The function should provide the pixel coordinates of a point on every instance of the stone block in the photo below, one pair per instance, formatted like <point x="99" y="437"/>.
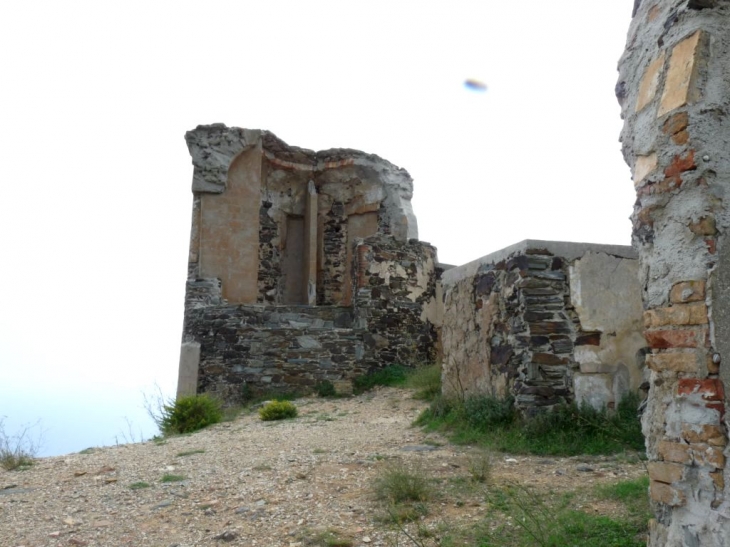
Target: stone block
<point x="711" y="389"/>
<point x="670" y="451"/>
<point x="649" y="83"/>
<point x="187" y="381"/>
<point x="594" y="389"/>
<point x="676" y="123"/>
<point x="673" y="361"/>
<point x="680" y="86"/>
<point x="666" y="494"/>
<point x="643" y="167"/>
<point x="687" y="291"/>
<point x="680" y="164"/>
<point x="676" y="338"/>
<point x="705" y="226"/>
<point x="713" y="435"/>
<point x="666" y="472"/>
<point x="677" y="315"/>
<point x="710" y="456"/>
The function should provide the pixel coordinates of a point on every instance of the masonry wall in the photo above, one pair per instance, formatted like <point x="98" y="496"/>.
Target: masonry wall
<point x="282" y="292"/>
<point x="544" y="322"/>
<point x="674" y="82"/>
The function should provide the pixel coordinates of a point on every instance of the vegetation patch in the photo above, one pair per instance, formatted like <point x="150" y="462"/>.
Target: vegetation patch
<point x="326" y="538"/>
<point x="425" y="381"/>
<point x="172" y="478"/>
<point x="18" y="452"/>
<point x="278" y="410"/>
<point x="325" y="388"/>
<point x="188" y="414"/>
<point x="393" y="376"/>
<point x="139" y="485"/>
<point x="566" y="430"/>
<point x="189" y="453"/>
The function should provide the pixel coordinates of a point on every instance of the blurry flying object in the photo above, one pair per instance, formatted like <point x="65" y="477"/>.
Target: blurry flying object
<point x="475" y="85"/>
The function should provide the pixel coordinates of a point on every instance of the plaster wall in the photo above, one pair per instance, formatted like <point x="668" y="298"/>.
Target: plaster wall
<point x="674" y="91"/>
<point x="544" y="328"/>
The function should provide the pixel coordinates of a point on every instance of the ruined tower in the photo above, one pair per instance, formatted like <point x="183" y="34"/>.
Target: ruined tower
<point x="674" y="90"/>
<point x="304" y="266"/>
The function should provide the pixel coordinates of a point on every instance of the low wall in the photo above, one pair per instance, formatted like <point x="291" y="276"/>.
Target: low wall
<point x="544" y="322"/>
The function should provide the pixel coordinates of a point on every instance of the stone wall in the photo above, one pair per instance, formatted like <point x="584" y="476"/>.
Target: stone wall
<point x="544" y="322"/>
<point x="396" y="301"/>
<point x="674" y="91"/>
<point x="278" y="268"/>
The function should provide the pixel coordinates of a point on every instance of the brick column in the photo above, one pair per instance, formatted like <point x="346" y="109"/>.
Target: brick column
<point x="674" y="90"/>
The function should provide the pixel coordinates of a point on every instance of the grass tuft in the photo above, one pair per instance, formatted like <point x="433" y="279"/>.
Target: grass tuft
<point x="139" y="485"/>
<point x="426" y="381"/>
<point x="400" y="483"/>
<point x="18" y="452"/>
<point x="393" y="375"/>
<point x="172" y="478"/>
<point x="189" y="453"/>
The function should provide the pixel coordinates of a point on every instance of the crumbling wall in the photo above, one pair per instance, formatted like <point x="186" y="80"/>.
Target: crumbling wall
<point x="544" y="322"/>
<point x="274" y="232"/>
<point x="395" y="301"/>
<point x="674" y="82"/>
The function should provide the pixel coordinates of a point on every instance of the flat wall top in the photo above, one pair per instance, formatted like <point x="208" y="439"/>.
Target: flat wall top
<point x="569" y="250"/>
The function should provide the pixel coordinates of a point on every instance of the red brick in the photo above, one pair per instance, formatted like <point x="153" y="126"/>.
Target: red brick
<point x="674" y="452"/>
<point x="676" y="338"/>
<point x="680" y="164"/>
<point x="664" y="493"/>
<point x="688" y="291"/>
<point x="711" y="389"/>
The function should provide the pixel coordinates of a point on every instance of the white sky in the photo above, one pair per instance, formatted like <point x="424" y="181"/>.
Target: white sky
<point x="95" y="100"/>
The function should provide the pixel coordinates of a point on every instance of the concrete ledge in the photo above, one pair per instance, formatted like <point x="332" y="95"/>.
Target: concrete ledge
<point x="568" y="250"/>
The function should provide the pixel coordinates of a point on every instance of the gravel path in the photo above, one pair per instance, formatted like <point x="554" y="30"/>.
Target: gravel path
<point x="249" y="482"/>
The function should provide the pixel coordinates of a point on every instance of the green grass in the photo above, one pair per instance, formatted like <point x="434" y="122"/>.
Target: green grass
<point x="426" y="381"/>
<point x="89" y="450"/>
<point x="139" y="485"/>
<point x="325" y="388"/>
<point x="189" y="453"/>
<point x="520" y="517"/>
<point x="566" y="430"/>
<point x="172" y="478"/>
<point x="327" y="538"/>
<point x="393" y="375"/>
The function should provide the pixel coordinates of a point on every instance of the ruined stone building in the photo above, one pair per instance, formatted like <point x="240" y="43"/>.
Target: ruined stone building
<point x="674" y="90"/>
<point x="545" y="322"/>
<point x="304" y="266"/>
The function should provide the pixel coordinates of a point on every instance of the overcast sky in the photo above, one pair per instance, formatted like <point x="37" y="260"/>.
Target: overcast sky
<point x="96" y="98"/>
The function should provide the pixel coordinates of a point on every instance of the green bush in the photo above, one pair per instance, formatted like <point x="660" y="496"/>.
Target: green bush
<point x="325" y="388"/>
<point x="486" y="412"/>
<point x="191" y="413"/>
<point x="278" y="410"/>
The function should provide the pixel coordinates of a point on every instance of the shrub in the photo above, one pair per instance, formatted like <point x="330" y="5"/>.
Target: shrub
<point x="278" y="410"/>
<point x="191" y="413"/>
<point x="325" y="388"/>
<point x="399" y="483"/>
<point x="18" y="451"/>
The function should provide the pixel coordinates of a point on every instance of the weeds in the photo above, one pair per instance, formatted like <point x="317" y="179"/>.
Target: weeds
<point x="400" y="483"/>
<point x="139" y="485"/>
<point x="327" y="538"/>
<point x="18" y="452"/>
<point x="325" y="388"/>
<point x="278" y="410"/>
<point x="480" y="466"/>
<point x="566" y="430"/>
<point x="426" y="381"/>
<point x="393" y="375"/>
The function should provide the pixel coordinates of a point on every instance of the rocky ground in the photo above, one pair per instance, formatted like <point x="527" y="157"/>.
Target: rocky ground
<point x="249" y="482"/>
